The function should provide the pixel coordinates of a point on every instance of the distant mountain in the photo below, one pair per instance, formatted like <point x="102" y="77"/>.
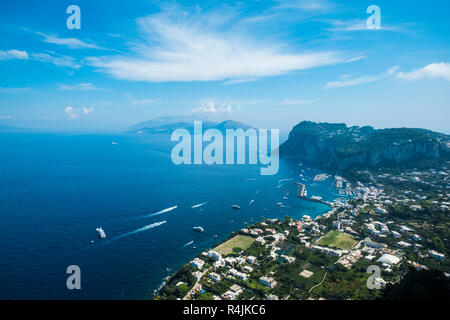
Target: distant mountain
<point x="169" y="124"/>
<point x="336" y="147"/>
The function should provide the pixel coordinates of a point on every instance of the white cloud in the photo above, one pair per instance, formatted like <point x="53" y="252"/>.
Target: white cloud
<point x="16" y="90"/>
<point x="296" y="102"/>
<point x="433" y="70"/>
<point x="72" y="43"/>
<point x="60" y="61"/>
<point x="179" y="47"/>
<point x="79" y="87"/>
<point x="361" y="25"/>
<point x="214" y="106"/>
<point x="74" y="113"/>
<point x="87" y="111"/>
<point x="70" y="111"/>
<point x="346" y="81"/>
<point x="135" y="101"/>
<point x="13" y="54"/>
<point x="307" y="5"/>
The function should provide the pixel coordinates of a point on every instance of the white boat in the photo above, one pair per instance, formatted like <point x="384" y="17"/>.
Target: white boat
<point x="279" y="204"/>
<point x="200" y="229"/>
<point x="100" y="232"/>
<point x="235" y="206"/>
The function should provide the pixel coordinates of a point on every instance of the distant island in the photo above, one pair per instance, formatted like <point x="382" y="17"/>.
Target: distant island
<point x="166" y="125"/>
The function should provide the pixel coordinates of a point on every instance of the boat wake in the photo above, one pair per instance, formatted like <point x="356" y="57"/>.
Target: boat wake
<point x="284" y="180"/>
<point x="199" y="205"/>
<point x="147" y="227"/>
<point x="157" y="213"/>
<point x="188" y="244"/>
<point x="251" y="201"/>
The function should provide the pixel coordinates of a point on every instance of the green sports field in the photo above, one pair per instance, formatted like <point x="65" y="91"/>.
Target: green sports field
<point x="238" y="241"/>
<point x="339" y="240"/>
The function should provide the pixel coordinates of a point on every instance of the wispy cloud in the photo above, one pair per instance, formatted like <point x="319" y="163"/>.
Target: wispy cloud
<point x="296" y="101"/>
<point x="307" y="5"/>
<point x="79" y="87"/>
<point x="347" y="81"/>
<point x="16" y="90"/>
<point x="431" y="71"/>
<point x="87" y="111"/>
<point x="182" y="47"/>
<point x="213" y="106"/>
<point x="72" y="43"/>
<point x="59" y="61"/>
<point x="13" y="54"/>
<point x="135" y="101"/>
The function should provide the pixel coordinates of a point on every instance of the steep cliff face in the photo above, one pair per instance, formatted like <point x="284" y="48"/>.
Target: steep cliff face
<point x="337" y="147"/>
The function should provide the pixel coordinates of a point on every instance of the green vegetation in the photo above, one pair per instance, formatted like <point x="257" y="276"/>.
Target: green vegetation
<point x="336" y="239"/>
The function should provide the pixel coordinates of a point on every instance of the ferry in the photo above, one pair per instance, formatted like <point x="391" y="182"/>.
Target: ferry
<point x="200" y="229"/>
<point x="100" y="232"/>
<point x="235" y="206"/>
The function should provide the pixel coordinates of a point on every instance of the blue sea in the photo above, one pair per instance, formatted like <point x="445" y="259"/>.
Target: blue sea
<point x="56" y="189"/>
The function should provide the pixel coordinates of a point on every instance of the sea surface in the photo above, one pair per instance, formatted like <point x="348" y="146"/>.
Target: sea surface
<point x="56" y="189"/>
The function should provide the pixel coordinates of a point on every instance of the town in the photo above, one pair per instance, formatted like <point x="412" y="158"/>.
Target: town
<point x="392" y="220"/>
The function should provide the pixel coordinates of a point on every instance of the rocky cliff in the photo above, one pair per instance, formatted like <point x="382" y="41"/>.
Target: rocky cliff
<point x="336" y="147"/>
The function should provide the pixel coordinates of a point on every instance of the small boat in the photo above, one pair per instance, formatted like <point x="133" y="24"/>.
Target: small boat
<point x="100" y="232"/>
<point x="200" y="229"/>
<point x="279" y="204"/>
<point x="215" y="236"/>
<point x="235" y="206"/>
<point x="285" y="198"/>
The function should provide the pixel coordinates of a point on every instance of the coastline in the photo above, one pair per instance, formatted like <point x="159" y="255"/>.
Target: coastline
<point x="337" y="202"/>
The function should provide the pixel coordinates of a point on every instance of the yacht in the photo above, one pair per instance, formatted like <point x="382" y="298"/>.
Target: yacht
<point x="235" y="206"/>
<point x="200" y="229"/>
<point x="100" y="232"/>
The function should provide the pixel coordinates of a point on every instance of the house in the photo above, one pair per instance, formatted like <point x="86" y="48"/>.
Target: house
<point x="236" y="289"/>
<point x="214" y="254"/>
<point x="380" y="210"/>
<point x="268" y="282"/>
<point x="248" y="269"/>
<point x="287" y="258"/>
<point x="214" y="277"/>
<point x="436" y="255"/>
<point x="251" y="259"/>
<point x="197" y="263"/>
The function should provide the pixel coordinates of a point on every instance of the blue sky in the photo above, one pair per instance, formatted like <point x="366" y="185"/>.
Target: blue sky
<point x="267" y="63"/>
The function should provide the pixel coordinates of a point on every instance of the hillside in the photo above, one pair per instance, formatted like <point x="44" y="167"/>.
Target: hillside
<point x="338" y="148"/>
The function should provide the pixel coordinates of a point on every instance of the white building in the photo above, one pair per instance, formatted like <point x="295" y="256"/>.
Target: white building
<point x="436" y="255"/>
<point x="389" y="259"/>
<point x="268" y="282"/>
<point x="198" y="263"/>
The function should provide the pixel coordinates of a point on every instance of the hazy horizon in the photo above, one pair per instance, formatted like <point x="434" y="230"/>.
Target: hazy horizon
<point x="270" y="64"/>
